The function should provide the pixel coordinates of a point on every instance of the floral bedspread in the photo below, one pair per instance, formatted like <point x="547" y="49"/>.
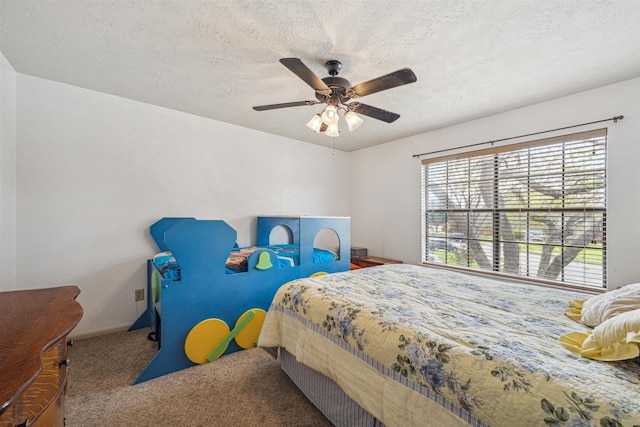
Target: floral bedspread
<point x="483" y="350"/>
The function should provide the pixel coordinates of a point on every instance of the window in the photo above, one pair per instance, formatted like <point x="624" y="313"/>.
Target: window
<point x="536" y="209"/>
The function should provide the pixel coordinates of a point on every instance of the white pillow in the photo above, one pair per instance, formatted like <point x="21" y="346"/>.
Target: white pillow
<point x="596" y="310"/>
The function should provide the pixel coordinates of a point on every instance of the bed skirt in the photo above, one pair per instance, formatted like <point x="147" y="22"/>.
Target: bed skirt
<point x="326" y="395"/>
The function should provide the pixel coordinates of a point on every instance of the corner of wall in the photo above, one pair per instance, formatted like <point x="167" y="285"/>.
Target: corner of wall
<point x="8" y="175"/>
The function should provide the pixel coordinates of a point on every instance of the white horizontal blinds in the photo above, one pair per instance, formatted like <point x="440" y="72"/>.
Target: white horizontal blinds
<point x="536" y="209"/>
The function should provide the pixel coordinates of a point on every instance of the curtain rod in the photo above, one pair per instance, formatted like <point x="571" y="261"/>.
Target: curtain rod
<point x="615" y="120"/>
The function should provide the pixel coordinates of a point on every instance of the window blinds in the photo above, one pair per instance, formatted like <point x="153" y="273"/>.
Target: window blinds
<point x="536" y="209"/>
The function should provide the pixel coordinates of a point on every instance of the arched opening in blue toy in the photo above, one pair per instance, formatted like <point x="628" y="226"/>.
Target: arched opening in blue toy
<point x="328" y="240"/>
<point x="281" y="235"/>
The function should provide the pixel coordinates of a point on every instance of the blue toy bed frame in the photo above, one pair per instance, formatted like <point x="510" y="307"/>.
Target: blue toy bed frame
<point x="205" y="290"/>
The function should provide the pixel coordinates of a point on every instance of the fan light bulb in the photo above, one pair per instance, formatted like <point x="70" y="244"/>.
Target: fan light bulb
<point x="353" y="120"/>
<point x="315" y="123"/>
<point x="330" y="115"/>
<point x="333" y="130"/>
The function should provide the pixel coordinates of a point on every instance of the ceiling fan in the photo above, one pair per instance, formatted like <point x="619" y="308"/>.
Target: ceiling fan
<point x="336" y="92"/>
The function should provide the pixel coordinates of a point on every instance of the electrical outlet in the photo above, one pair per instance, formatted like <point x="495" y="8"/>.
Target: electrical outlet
<point x="139" y="294"/>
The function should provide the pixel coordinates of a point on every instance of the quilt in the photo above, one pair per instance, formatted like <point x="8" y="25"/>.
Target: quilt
<point x="419" y="346"/>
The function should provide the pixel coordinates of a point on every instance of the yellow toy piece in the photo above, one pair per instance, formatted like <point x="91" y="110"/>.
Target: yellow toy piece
<point x="203" y="337"/>
<point x="319" y="273"/>
<point x="247" y="337"/>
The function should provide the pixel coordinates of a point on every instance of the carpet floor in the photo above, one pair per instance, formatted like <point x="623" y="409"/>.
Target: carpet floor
<point x="246" y="388"/>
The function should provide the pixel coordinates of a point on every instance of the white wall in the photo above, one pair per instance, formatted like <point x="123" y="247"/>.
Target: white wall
<point x="8" y="202"/>
<point x="385" y="180"/>
<point x="94" y="171"/>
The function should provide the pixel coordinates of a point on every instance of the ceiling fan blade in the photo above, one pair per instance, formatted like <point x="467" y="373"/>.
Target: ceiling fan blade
<point x="376" y="113"/>
<point x="299" y="69"/>
<point x="284" y="105"/>
<point x="388" y="81"/>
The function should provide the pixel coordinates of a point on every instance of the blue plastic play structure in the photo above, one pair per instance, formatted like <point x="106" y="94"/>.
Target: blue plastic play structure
<point x="206" y="290"/>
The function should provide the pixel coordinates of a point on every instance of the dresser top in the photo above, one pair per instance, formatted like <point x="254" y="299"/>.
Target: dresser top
<point x="31" y="321"/>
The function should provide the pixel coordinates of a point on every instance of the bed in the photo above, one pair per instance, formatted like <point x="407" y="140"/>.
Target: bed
<point x="201" y="274"/>
<point x="288" y="255"/>
<point x="406" y="345"/>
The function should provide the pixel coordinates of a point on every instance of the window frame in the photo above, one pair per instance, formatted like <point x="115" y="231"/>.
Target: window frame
<point x="495" y="210"/>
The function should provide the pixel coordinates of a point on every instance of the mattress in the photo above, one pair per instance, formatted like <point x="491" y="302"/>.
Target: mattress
<point x="419" y="346"/>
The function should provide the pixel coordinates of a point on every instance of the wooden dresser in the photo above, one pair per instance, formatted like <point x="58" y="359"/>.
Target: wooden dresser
<point x="372" y="261"/>
<point x="33" y="354"/>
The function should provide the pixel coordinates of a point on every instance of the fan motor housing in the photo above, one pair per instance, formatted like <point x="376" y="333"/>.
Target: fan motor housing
<point x="338" y="87"/>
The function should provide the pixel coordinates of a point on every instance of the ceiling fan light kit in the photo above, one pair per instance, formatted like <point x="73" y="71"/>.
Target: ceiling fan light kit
<point x="315" y="123"/>
<point x="330" y="115"/>
<point x="336" y="92"/>
<point x="353" y="121"/>
<point x="332" y="130"/>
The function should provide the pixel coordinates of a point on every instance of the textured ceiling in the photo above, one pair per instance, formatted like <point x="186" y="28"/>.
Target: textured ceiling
<point x="217" y="59"/>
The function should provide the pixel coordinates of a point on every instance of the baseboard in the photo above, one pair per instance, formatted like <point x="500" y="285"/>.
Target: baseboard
<point x="98" y="332"/>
